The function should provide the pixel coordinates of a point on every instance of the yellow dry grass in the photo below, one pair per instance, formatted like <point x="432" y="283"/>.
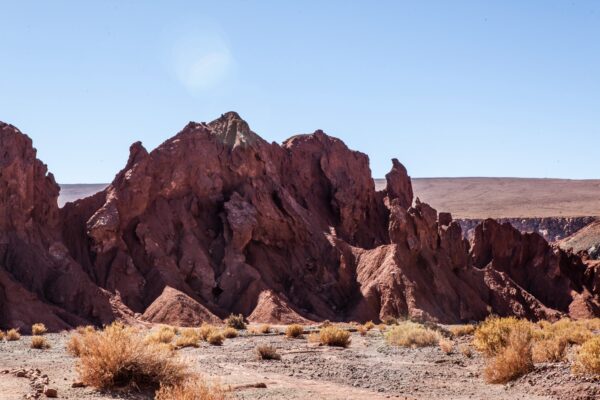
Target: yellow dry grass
<point x="230" y="333"/>
<point x="216" y="338"/>
<point x="411" y="334"/>
<point x="465" y="350"/>
<point x="2" y="334"/>
<point x="164" y="334"/>
<point x="294" y="331"/>
<point x="236" y="322"/>
<point x="118" y="357"/>
<point x="39" y="342"/>
<point x="267" y="352"/>
<point x="514" y="359"/>
<point x="462" y="330"/>
<point x="264" y="329"/>
<point x="194" y="389"/>
<point x="447" y="346"/>
<point x="491" y="337"/>
<point x="13" y="335"/>
<point x="188" y="338"/>
<point x="38" y="329"/>
<point x="334" y="337"/>
<point x="587" y="360"/>
<point x="549" y="350"/>
<point x="206" y="330"/>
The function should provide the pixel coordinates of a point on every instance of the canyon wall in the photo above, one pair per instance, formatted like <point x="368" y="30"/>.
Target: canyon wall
<point x="217" y="220"/>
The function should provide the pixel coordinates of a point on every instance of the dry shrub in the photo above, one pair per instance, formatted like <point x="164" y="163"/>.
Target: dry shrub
<point x="335" y="337"/>
<point x="514" y="359"/>
<point x="85" y="329"/>
<point x="74" y="345"/>
<point x="230" y="333"/>
<point x="2" y="334"/>
<point x="264" y="329"/>
<point x="216" y="338"/>
<point x="39" y="342"/>
<point x="294" y="331"/>
<point x="118" y="357"/>
<point x="491" y="337"/>
<point x="592" y="324"/>
<point x="587" y="360"/>
<point x="314" y="337"/>
<point x="362" y="330"/>
<point x="465" y="350"/>
<point x="38" y="329"/>
<point x="188" y="338"/>
<point x="390" y="321"/>
<point x="13" y="335"/>
<point x="382" y="327"/>
<point x="194" y="389"/>
<point x="267" y="352"/>
<point x="411" y="334"/>
<point x="549" y="350"/>
<point x="236" y="322"/>
<point x="574" y="332"/>
<point x="462" y="330"/>
<point x="369" y="325"/>
<point x="325" y="324"/>
<point x="206" y="330"/>
<point x="164" y="334"/>
<point x="447" y="346"/>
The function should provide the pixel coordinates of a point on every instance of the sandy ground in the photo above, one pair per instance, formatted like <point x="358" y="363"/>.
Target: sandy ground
<point x="509" y="197"/>
<point x="368" y="369"/>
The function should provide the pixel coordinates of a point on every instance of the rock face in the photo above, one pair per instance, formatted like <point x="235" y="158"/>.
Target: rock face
<point x="216" y="220"/>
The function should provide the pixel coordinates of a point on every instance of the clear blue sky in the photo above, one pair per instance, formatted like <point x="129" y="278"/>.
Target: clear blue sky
<point x="451" y="88"/>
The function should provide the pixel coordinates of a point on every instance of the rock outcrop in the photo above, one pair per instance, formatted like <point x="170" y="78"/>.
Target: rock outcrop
<point x="216" y="220"/>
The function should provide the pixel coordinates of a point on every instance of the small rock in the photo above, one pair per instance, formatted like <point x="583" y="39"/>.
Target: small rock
<point x="78" y="385"/>
<point x="50" y="392"/>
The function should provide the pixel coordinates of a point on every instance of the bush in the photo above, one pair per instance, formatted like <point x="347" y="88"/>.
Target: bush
<point x="514" y="359"/>
<point x="39" y="342"/>
<point x="85" y="329"/>
<point x="38" y="329"/>
<point x="411" y="334"/>
<point x="549" y="350"/>
<point x="194" y="389"/>
<point x="491" y="337"/>
<point x="462" y="330"/>
<point x="118" y="357"/>
<point x="264" y="329"/>
<point x="2" y="334"/>
<point x="13" y="335"/>
<point x="587" y="360"/>
<point x="206" y="330"/>
<point x="230" y="333"/>
<point x="362" y="330"/>
<point x="574" y="332"/>
<point x="188" y="338"/>
<point x="216" y="338"/>
<point x="236" y="322"/>
<point x="447" y="346"/>
<point x="335" y="337"/>
<point x="465" y="350"/>
<point x="267" y="352"/>
<point x="294" y="331"/>
<point x="369" y="325"/>
<point x="164" y="334"/>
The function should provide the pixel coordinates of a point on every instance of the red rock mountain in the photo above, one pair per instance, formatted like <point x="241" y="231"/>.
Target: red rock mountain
<point x="217" y="220"/>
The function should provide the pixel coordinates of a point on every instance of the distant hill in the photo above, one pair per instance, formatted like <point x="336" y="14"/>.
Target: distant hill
<point x="509" y="197"/>
<point x="72" y="192"/>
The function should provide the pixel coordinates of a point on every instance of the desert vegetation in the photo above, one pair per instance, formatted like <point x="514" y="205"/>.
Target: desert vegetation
<point x="13" y="335"/>
<point x="38" y="329"/>
<point x="236" y="321"/>
<point x="267" y="352"/>
<point x="294" y="331"/>
<point x="39" y="342"/>
<point x="412" y="334"/>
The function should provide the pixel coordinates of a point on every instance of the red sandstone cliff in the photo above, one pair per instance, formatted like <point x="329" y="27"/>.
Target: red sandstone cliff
<point x="216" y="220"/>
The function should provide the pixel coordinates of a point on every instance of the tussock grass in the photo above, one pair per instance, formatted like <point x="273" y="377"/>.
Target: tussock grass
<point x="362" y="330"/>
<point x="369" y="325"/>
<point x="194" y="389"/>
<point x="412" y="334"/>
<point x="164" y="334"/>
<point x="447" y="346"/>
<point x="587" y="360"/>
<point x="236" y="322"/>
<point x="334" y="337"/>
<point x="514" y="359"/>
<point x="85" y="329"/>
<point x="216" y="338"/>
<point x="462" y="330"/>
<point x="230" y="333"/>
<point x="264" y="329"/>
<point x="206" y="330"/>
<point x="13" y="335"/>
<point x="491" y="337"/>
<point x="119" y="357"/>
<point x="39" y="342"/>
<point x="2" y="334"/>
<point x="574" y="332"/>
<point x="465" y="350"/>
<point x="188" y="338"/>
<point x="549" y="350"/>
<point x="294" y="331"/>
<point x="267" y="352"/>
<point x="38" y="329"/>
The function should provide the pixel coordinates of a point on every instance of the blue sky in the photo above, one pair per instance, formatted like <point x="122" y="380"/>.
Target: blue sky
<point x="451" y="88"/>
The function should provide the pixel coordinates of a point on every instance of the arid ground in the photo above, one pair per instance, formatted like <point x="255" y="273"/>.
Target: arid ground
<point x="369" y="368"/>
